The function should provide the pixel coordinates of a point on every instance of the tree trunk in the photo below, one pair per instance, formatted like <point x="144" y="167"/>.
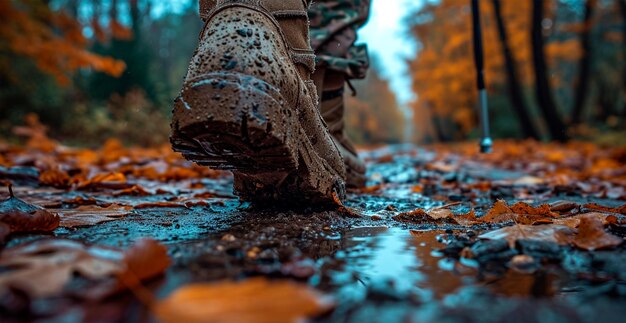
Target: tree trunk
<point x="542" y="84"/>
<point x="585" y="64"/>
<point x="622" y="7"/>
<point x="515" y="90"/>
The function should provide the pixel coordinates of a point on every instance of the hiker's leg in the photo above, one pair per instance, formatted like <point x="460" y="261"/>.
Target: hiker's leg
<point x="334" y="25"/>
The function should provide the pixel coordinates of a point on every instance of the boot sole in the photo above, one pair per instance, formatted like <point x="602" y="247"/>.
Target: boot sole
<point x="231" y="121"/>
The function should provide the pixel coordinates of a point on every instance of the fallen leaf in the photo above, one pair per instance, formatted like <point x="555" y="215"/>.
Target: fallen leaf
<point x="546" y="232"/>
<point x="563" y="206"/>
<point x="145" y="260"/>
<point x="499" y="212"/>
<point x="55" y="178"/>
<point x="79" y="200"/>
<point x="19" y="216"/>
<point x="440" y="213"/>
<point x="601" y="208"/>
<point x="347" y="211"/>
<point x="574" y="221"/>
<point x="591" y="235"/>
<point x="104" y="181"/>
<point x="521" y="213"/>
<point x="529" y="181"/>
<point x="44" y="268"/>
<point x="135" y="190"/>
<point x="254" y="300"/>
<point x="527" y="209"/>
<point x="89" y="215"/>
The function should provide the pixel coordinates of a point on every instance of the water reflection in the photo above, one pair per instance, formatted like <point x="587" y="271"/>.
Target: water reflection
<point x="399" y="263"/>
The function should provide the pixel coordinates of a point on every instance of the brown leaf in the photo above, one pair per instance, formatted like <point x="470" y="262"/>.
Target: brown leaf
<point x="521" y="213"/>
<point x="574" y="221"/>
<point x="526" y="209"/>
<point x="591" y="235"/>
<point x="467" y="219"/>
<point x="55" y="178"/>
<point x="104" y="181"/>
<point x="135" y="190"/>
<point x="601" y="208"/>
<point x="342" y="209"/>
<point x="89" y="215"/>
<point x="547" y="232"/>
<point x="254" y="300"/>
<point x="20" y="216"/>
<point x="44" y="268"/>
<point x="563" y="206"/>
<point x="145" y="260"/>
<point x="500" y="212"/>
<point x="79" y="200"/>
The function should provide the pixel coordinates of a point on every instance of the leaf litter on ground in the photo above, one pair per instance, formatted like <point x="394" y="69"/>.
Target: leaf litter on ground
<point x="46" y="268"/>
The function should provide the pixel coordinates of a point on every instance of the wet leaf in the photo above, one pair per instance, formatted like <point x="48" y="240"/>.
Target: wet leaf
<point x="601" y="208"/>
<point x="592" y="236"/>
<point x="19" y="216"/>
<point x="104" y="181"/>
<point x="145" y="260"/>
<point x="563" y="206"/>
<point x="500" y="212"/>
<point x="547" y="232"/>
<point x="44" y="268"/>
<point x="527" y="209"/>
<point x="89" y="215"/>
<point x="55" y="178"/>
<point x="574" y="221"/>
<point x="254" y="300"/>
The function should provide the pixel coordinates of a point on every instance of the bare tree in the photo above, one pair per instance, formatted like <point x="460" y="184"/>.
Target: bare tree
<point x="547" y="105"/>
<point x="515" y="89"/>
<point x="584" y="79"/>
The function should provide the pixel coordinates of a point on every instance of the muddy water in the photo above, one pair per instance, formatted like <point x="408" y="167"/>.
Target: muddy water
<point x="399" y="263"/>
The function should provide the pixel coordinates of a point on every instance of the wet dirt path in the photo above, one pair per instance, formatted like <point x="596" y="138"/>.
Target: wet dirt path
<point x="376" y="268"/>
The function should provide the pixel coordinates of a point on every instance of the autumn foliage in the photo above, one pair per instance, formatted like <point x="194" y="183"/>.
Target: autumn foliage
<point x="53" y="40"/>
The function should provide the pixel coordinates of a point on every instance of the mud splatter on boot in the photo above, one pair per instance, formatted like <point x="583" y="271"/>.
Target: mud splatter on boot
<point x="248" y="104"/>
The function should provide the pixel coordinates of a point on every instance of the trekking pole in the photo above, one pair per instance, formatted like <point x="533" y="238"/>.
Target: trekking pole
<point x="486" y="144"/>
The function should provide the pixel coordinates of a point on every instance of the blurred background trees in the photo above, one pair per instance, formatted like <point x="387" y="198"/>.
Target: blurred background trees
<point x="555" y="69"/>
<point x="93" y="69"/>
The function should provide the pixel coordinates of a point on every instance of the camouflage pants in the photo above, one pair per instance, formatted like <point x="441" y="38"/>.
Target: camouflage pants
<point x="334" y="25"/>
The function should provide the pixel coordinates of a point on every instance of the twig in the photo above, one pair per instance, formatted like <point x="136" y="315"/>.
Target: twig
<point x="446" y="206"/>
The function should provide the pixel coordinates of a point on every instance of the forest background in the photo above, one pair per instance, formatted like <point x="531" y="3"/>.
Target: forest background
<point x="90" y="70"/>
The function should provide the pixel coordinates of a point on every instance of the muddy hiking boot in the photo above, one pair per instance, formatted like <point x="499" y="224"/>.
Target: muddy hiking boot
<point x="331" y="90"/>
<point x="248" y="104"/>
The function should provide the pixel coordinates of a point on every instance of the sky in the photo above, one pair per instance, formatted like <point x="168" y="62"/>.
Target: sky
<point x="388" y="41"/>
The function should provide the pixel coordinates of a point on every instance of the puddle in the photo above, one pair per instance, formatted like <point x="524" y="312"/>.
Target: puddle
<point x="399" y="263"/>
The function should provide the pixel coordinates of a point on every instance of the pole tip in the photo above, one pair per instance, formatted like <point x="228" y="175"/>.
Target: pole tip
<point x="486" y="146"/>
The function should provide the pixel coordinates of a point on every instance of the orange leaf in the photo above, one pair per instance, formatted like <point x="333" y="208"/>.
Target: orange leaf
<point x="254" y="300"/>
